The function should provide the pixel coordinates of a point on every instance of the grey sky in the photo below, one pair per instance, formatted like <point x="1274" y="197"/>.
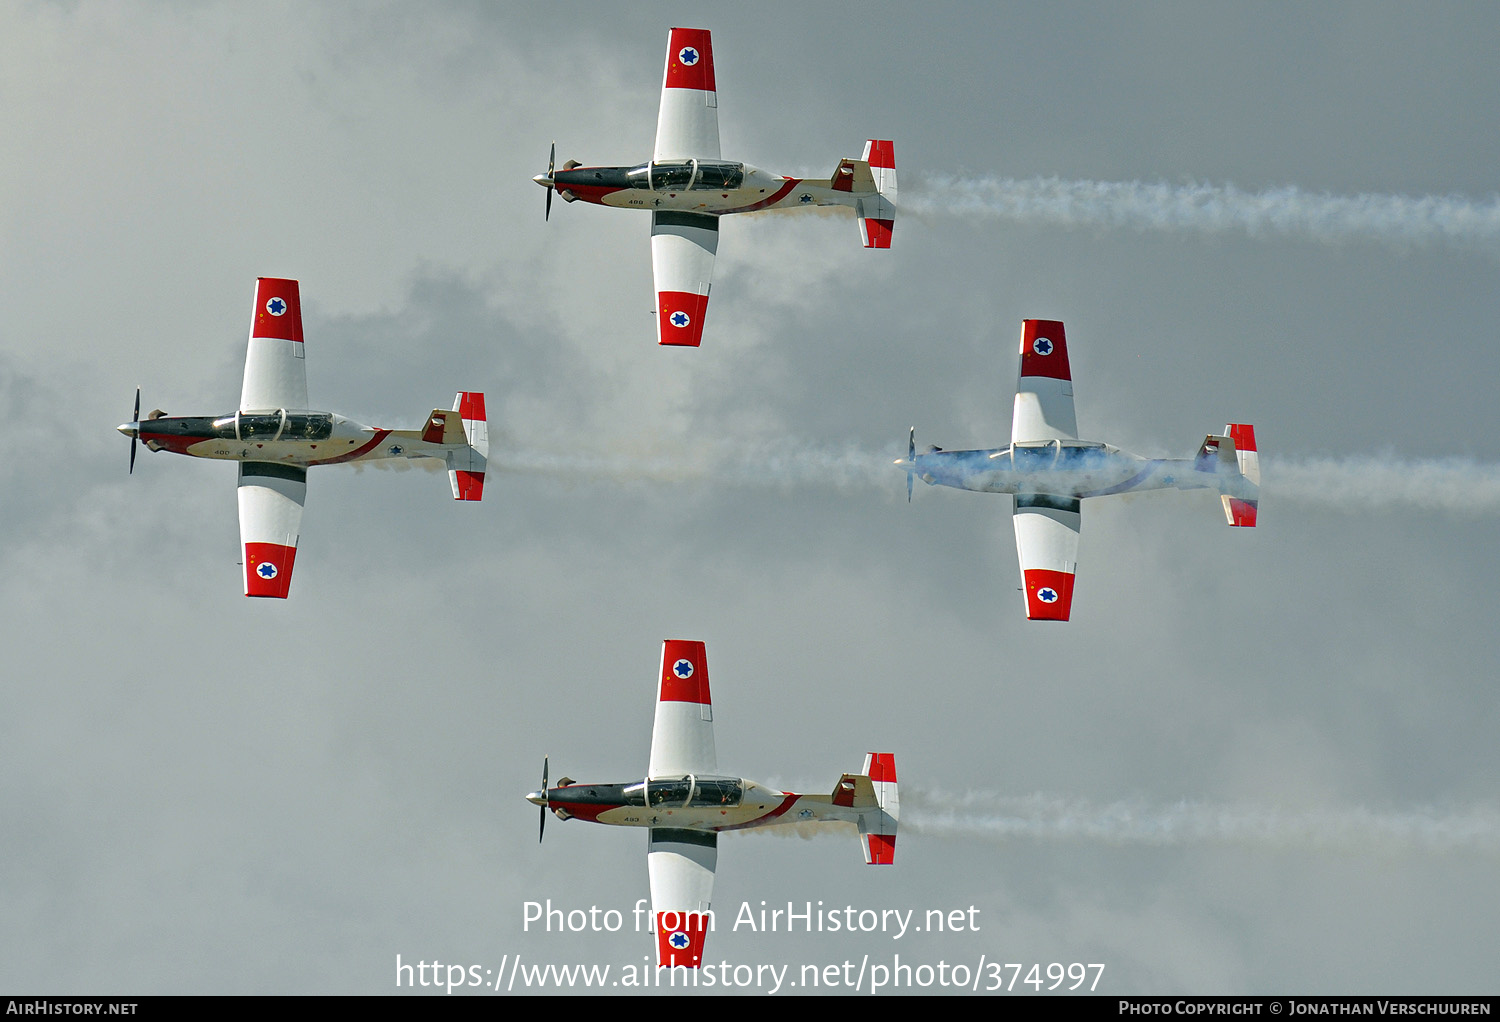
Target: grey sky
<point x="1279" y="742"/>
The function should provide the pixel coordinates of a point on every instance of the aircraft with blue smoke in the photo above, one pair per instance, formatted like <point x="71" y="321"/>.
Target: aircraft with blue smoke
<point x="1050" y="471"/>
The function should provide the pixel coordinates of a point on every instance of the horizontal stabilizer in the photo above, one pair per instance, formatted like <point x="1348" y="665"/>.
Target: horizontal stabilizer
<point x="466" y="466"/>
<point x="1235" y="457"/>
<point x="877" y="213"/>
<point x="877" y="830"/>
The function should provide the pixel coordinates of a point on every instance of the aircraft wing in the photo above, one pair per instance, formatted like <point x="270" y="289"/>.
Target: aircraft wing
<point x="681" y="864"/>
<point x="682" y="738"/>
<point x="271" y="499"/>
<point x="682" y="261"/>
<point x="1044" y="392"/>
<point x="275" y="374"/>
<point x="687" y="128"/>
<point x="1047" y="544"/>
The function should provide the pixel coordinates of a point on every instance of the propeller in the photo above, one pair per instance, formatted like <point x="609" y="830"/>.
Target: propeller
<point x="551" y="161"/>
<point x="135" y="439"/>
<point x="911" y="460"/>
<point x="543" y="828"/>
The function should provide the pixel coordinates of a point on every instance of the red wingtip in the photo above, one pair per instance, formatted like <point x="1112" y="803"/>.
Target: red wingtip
<point x="268" y="569"/>
<point x="1049" y="594"/>
<point x="684" y="672"/>
<point x="679" y="939"/>
<point x="690" y="60"/>
<point x="278" y="309"/>
<point x="1044" y="349"/>
<point x="679" y="317"/>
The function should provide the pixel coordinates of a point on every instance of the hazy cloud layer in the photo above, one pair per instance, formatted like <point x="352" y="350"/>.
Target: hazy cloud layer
<point x="1267" y="756"/>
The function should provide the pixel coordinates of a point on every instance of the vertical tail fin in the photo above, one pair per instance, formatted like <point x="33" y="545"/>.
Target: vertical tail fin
<point x="466" y="468"/>
<point x="877" y="829"/>
<point x="877" y="213"/>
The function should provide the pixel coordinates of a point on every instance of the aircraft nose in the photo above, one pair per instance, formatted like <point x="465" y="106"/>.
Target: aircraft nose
<point x="543" y="180"/>
<point x="537" y="798"/>
<point x="130" y="429"/>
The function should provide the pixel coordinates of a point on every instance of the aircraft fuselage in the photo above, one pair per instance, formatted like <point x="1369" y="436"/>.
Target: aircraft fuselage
<point x="300" y="438"/>
<point x="688" y="803"/>
<point x="1066" y="468"/>
<point x="713" y="187"/>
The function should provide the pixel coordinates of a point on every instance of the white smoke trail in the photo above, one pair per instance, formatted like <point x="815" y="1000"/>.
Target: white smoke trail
<point x="787" y="464"/>
<point x="1357" y="483"/>
<point x="1039" y="817"/>
<point x="1366" y="482"/>
<point x="1214" y="209"/>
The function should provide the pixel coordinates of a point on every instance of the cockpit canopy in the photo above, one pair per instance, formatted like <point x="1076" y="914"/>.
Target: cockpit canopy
<point x="1056" y="454"/>
<point x="687" y="175"/>
<point x="277" y="425"/>
<point x="688" y="792"/>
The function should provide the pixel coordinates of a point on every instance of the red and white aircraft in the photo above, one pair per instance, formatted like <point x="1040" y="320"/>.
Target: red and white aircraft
<point x="1051" y="471"/>
<point x="276" y="439"/>
<point x="687" y="187"/>
<point x="685" y="801"/>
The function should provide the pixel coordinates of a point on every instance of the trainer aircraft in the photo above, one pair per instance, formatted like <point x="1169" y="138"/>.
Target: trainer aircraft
<point x="684" y="802"/>
<point x="276" y="438"/>
<point x="1051" y="471"/>
<point x="687" y="186"/>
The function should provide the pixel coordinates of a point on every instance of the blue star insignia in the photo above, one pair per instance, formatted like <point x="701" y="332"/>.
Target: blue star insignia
<point x="397" y="448"/>
<point x="679" y="940"/>
<point x="688" y="56"/>
<point x="266" y="569"/>
<point x="683" y="668"/>
<point x="1042" y="346"/>
<point x="804" y="198"/>
<point x="276" y="307"/>
<point x="1047" y="595"/>
<point x="679" y="319"/>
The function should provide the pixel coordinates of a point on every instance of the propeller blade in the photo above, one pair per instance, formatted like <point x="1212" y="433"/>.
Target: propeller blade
<point x="911" y="460"/>
<point x="135" y="417"/>
<point x="551" y="162"/>
<point x="543" y="828"/>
